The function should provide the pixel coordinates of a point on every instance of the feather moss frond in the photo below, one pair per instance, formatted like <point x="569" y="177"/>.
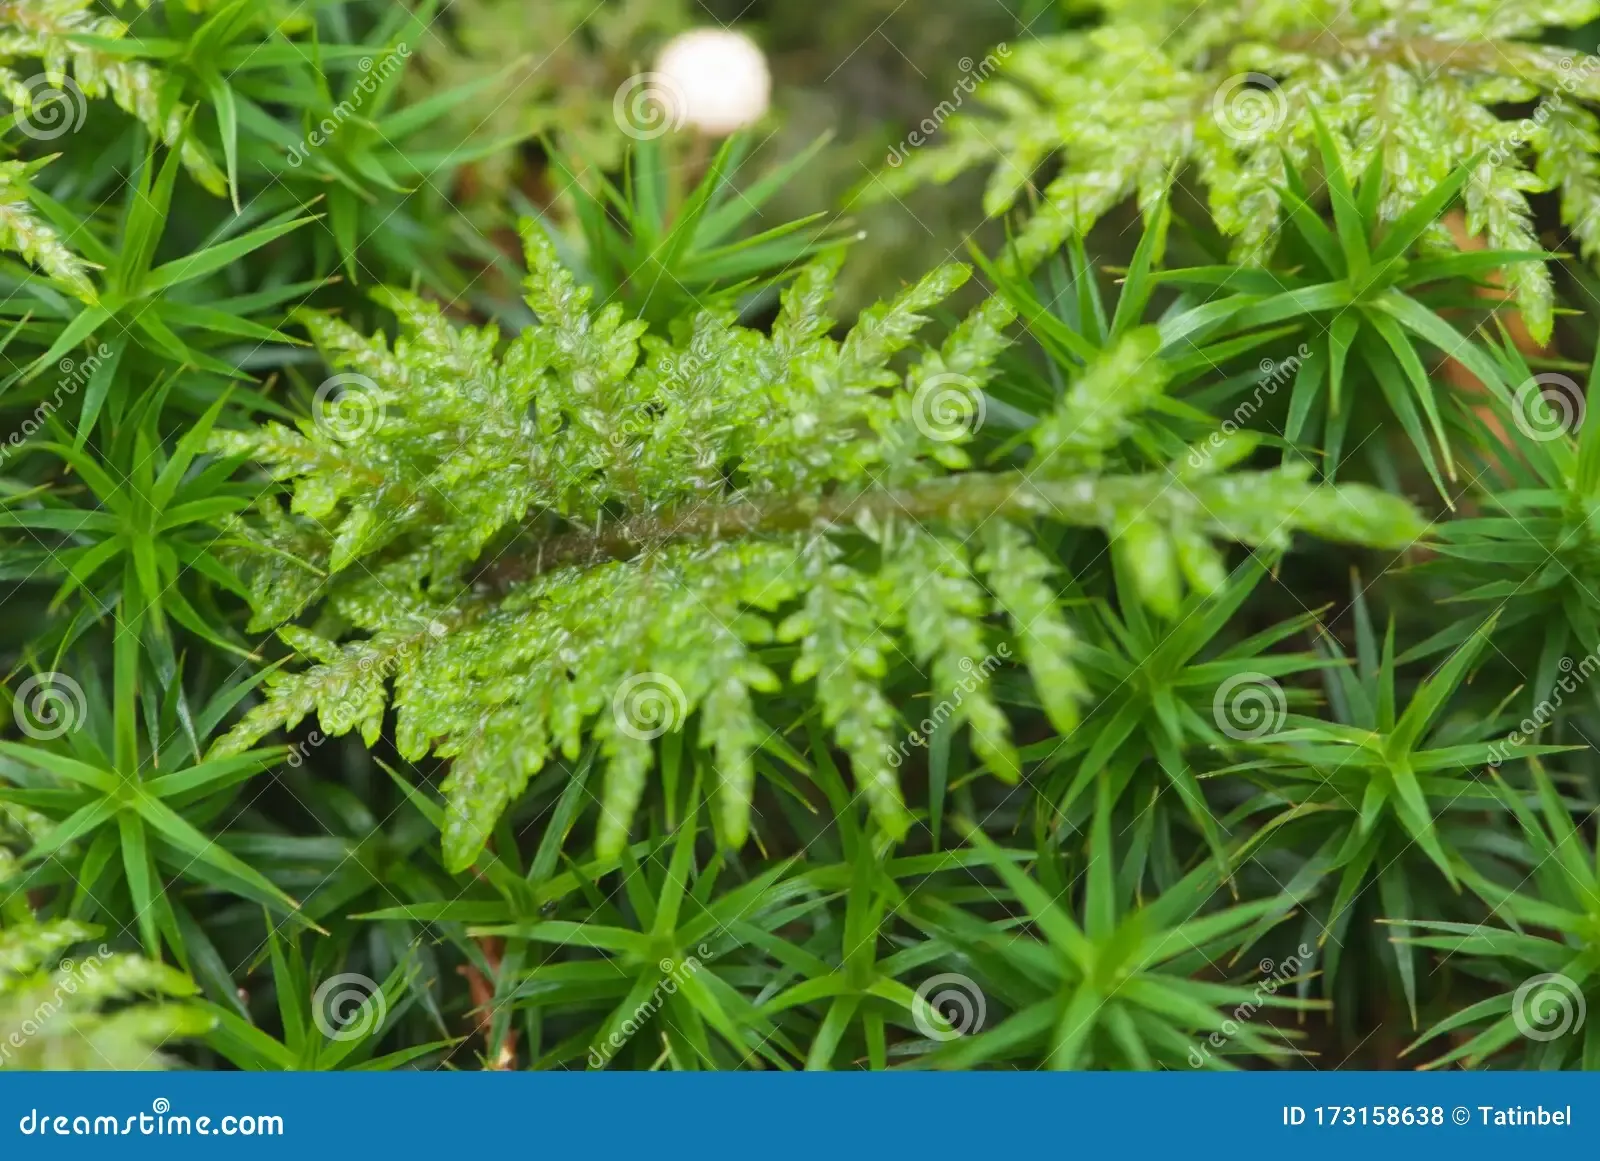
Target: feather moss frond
<point x="1232" y="90"/>
<point x="589" y="531"/>
<point x="24" y="232"/>
<point x="49" y="68"/>
<point x="93" y="1014"/>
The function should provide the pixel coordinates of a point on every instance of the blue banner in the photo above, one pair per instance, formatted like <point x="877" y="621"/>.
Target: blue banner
<point x="666" y="1116"/>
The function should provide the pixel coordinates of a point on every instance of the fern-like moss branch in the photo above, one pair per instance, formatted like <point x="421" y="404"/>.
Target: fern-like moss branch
<point x="593" y="533"/>
<point x="1232" y="89"/>
<point x="1354" y="513"/>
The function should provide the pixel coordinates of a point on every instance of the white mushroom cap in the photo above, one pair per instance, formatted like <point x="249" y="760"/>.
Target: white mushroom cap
<point x="713" y="80"/>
